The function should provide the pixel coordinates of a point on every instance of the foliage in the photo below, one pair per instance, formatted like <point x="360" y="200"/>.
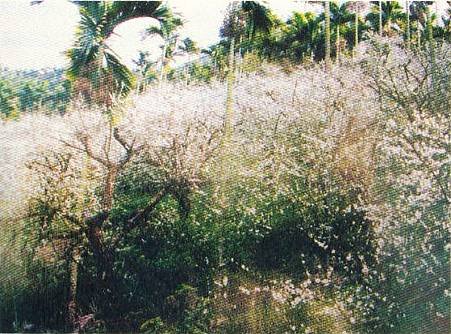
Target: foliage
<point x="415" y="167"/>
<point x="168" y="32"/>
<point x="8" y="106"/>
<point x="392" y="16"/>
<point x="95" y="68"/>
<point x="326" y="212"/>
<point x="28" y="91"/>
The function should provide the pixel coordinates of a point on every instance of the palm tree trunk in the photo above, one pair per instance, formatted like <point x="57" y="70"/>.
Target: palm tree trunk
<point x="430" y="37"/>
<point x="408" y="23"/>
<point x="380" y="18"/>
<point x="163" y="56"/>
<point x="327" y="32"/>
<point x="228" y="133"/>
<point x="418" y="34"/>
<point x="356" y="31"/>
<point x="215" y="67"/>
<point x="337" y="45"/>
<point x="430" y="34"/>
<point x="229" y="100"/>
<point x="187" y="78"/>
<point x="241" y="57"/>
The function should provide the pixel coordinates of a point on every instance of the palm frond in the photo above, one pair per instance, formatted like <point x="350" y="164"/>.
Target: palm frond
<point x="122" y="11"/>
<point x="91" y="57"/>
<point x="153" y="30"/>
<point x="124" y="80"/>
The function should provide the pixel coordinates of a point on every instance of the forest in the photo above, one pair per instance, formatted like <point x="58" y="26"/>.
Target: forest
<point x="294" y="177"/>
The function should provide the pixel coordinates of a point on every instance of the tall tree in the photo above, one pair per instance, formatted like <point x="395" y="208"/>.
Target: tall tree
<point x="327" y="39"/>
<point x="408" y="24"/>
<point x="95" y="68"/>
<point x="418" y="11"/>
<point x="257" y="19"/>
<point x="240" y="17"/>
<point x="243" y="19"/>
<point x="218" y="55"/>
<point x="380" y="17"/>
<point x="144" y="70"/>
<point x="447" y="24"/>
<point x="301" y="35"/>
<point x="357" y="7"/>
<point x="387" y="14"/>
<point x="168" y="31"/>
<point x="339" y="17"/>
<point x="188" y="47"/>
<point x="327" y="32"/>
<point x="429" y="19"/>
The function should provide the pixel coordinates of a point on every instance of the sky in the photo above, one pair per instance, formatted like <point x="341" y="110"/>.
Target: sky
<point x="34" y="37"/>
<point x="37" y="36"/>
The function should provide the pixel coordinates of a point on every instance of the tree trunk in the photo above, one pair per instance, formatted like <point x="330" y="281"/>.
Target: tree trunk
<point x="229" y="100"/>
<point x="431" y="45"/>
<point x="109" y="188"/>
<point x="327" y="33"/>
<point x="186" y="70"/>
<point x="184" y="203"/>
<point x="163" y="56"/>
<point x="418" y="34"/>
<point x="73" y="280"/>
<point x="430" y="34"/>
<point x="226" y="142"/>
<point x="356" y="32"/>
<point x="241" y="58"/>
<point x="380" y="18"/>
<point x="337" y="45"/>
<point x="408" y="24"/>
<point x="104" y="265"/>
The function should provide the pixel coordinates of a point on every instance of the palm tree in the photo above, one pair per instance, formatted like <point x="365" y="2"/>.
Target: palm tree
<point x="233" y="27"/>
<point x="95" y="68"/>
<point x="408" y="24"/>
<point x="188" y="47"/>
<point x="326" y="18"/>
<point x="446" y="30"/>
<point x="218" y="55"/>
<point x="430" y="18"/>
<point x="387" y="14"/>
<point x="357" y="7"/>
<point x="339" y="17"/>
<point x="144" y="69"/>
<point x="380" y="17"/>
<point x="168" y="31"/>
<point x="419" y="13"/>
<point x="243" y="21"/>
<point x="327" y="32"/>
<point x="258" y="19"/>
<point x="301" y="36"/>
<point x="244" y="18"/>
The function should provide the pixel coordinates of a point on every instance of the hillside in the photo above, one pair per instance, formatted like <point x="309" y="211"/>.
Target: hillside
<point x="301" y="217"/>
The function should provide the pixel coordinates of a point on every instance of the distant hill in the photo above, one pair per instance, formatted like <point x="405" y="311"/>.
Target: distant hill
<point x="53" y="76"/>
<point x="27" y="90"/>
